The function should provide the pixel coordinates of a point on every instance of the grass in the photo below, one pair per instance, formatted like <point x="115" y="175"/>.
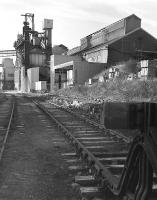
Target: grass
<point x="89" y="98"/>
<point x="114" y="90"/>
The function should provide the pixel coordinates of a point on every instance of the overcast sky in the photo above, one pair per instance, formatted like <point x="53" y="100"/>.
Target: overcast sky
<point x="73" y="19"/>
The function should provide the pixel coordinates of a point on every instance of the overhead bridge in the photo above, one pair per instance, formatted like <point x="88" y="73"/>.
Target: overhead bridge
<point x="7" y="53"/>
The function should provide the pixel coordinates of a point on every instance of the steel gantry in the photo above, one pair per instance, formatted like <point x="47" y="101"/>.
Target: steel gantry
<point x="7" y="53"/>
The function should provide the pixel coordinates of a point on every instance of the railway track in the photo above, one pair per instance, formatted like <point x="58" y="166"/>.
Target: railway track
<point x="6" y="117"/>
<point x="121" y="168"/>
<point x="32" y="166"/>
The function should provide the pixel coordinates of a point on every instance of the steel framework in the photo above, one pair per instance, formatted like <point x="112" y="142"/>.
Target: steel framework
<point x="7" y="53"/>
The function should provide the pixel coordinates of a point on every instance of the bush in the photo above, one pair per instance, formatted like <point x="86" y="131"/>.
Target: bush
<point x="114" y="90"/>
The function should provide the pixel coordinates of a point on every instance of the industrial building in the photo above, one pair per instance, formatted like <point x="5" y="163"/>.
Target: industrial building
<point x="1" y="77"/>
<point x="71" y="70"/>
<point x="33" y="55"/>
<point x="122" y="44"/>
<point x="7" y="74"/>
<point x="39" y="65"/>
<point x="116" y="43"/>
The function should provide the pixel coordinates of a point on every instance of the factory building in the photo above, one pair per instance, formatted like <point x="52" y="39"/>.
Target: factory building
<point x="33" y="55"/>
<point x="1" y="77"/>
<point x="116" y="43"/>
<point x="67" y="71"/>
<point x="7" y="74"/>
<point x="120" y="45"/>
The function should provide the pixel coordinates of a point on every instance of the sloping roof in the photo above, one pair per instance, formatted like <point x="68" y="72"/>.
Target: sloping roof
<point x="114" y="24"/>
<point x="108" y="43"/>
<point x="124" y="36"/>
<point x="78" y="49"/>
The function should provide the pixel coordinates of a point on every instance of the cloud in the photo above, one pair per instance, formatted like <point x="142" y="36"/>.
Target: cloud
<point x="73" y="19"/>
<point x="98" y="9"/>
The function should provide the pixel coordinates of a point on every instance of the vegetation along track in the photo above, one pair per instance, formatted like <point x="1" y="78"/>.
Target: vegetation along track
<point x="125" y="169"/>
<point x="6" y="117"/>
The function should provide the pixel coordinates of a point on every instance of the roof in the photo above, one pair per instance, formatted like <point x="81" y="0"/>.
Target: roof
<point x="108" y="43"/>
<point x="66" y="65"/>
<point x="115" y="23"/>
<point x="105" y="28"/>
<point x="61" y="46"/>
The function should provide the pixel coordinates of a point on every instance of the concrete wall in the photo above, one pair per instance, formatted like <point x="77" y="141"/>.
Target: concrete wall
<point x="33" y="76"/>
<point x="82" y="71"/>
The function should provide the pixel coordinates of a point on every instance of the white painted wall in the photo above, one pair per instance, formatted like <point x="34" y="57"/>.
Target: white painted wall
<point x="33" y="76"/>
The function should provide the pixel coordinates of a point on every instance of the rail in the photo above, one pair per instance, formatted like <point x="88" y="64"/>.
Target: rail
<point x="7" y="130"/>
<point x="139" y="171"/>
<point x="102" y="127"/>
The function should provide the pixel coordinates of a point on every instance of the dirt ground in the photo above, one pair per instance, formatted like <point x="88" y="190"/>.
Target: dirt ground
<point x="33" y="167"/>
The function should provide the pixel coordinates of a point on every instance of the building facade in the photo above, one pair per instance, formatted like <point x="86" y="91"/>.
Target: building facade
<point x="8" y="73"/>
<point x="33" y="50"/>
<point x="124" y="48"/>
<point x="116" y="43"/>
<point x="1" y="77"/>
<point x="68" y="71"/>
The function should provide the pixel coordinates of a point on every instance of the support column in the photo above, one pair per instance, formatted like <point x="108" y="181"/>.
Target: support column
<point x="52" y="75"/>
<point x="23" y="80"/>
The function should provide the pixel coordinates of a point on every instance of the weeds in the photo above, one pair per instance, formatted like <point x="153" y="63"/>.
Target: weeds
<point x="115" y="90"/>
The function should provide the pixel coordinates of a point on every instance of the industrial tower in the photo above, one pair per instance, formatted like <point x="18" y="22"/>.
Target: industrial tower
<point x="33" y="51"/>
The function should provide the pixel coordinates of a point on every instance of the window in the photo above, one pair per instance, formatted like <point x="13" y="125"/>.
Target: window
<point x="144" y="71"/>
<point x="144" y="67"/>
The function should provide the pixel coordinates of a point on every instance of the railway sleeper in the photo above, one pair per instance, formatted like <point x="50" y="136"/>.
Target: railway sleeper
<point x="88" y="193"/>
<point x="113" y="161"/>
<point x="141" y="188"/>
<point x="86" y="180"/>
